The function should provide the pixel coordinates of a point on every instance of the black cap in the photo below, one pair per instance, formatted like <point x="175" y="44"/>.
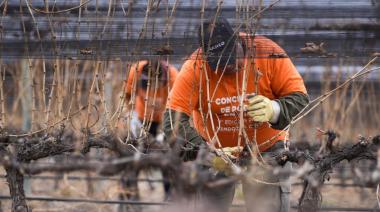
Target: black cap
<point x="161" y="71"/>
<point x="218" y="42"/>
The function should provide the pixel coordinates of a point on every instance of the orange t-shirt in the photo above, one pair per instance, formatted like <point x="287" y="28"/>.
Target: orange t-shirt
<point x="214" y="106"/>
<point x="155" y="104"/>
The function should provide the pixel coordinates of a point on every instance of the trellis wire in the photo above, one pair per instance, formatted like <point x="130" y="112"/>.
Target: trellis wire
<point x="147" y="203"/>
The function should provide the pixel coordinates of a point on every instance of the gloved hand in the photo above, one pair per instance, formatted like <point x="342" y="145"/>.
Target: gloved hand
<point x="222" y="165"/>
<point x="260" y="108"/>
<point x="231" y="152"/>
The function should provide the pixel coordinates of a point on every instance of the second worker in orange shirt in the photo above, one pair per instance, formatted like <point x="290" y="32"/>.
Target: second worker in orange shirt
<point x="147" y="88"/>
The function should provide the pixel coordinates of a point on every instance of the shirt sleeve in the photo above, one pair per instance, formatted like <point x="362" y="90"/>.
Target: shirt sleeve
<point x="283" y="75"/>
<point x="185" y="92"/>
<point x="285" y="78"/>
<point x="286" y="83"/>
<point x="290" y="105"/>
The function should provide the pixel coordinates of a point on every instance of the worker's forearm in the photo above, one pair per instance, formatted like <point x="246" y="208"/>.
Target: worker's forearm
<point x="179" y="124"/>
<point x="290" y="106"/>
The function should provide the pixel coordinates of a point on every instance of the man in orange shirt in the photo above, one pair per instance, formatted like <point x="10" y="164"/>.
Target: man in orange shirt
<point x="215" y="84"/>
<point x="149" y="83"/>
<point x="147" y="88"/>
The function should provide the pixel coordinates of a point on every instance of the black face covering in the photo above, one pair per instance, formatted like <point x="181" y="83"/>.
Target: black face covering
<point x="218" y="43"/>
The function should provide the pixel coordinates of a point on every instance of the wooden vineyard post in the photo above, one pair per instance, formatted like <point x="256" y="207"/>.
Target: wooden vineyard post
<point x="26" y="103"/>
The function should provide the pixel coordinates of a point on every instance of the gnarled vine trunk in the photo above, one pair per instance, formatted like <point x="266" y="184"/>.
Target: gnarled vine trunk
<point x="16" y="189"/>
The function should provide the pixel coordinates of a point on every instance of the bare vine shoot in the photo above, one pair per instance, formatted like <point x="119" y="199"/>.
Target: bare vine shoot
<point x="68" y="138"/>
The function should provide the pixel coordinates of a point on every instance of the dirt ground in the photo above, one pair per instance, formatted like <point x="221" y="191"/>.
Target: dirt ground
<point x="333" y="196"/>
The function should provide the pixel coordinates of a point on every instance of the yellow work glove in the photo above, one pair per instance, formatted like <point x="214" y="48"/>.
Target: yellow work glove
<point x="222" y="165"/>
<point x="219" y="164"/>
<point x="260" y="108"/>
<point x="230" y="152"/>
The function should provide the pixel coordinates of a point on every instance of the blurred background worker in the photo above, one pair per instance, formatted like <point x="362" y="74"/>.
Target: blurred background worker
<point x="209" y="89"/>
<point x="147" y="88"/>
<point x="148" y="83"/>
